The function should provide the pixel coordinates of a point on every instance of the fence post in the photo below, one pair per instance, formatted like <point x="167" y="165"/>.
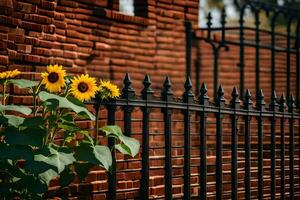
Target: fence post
<point x="260" y="105"/>
<point x="203" y="100"/>
<point x="235" y="105"/>
<point x="220" y="102"/>
<point x="247" y="106"/>
<point x="112" y="179"/>
<point x="127" y="93"/>
<point x="167" y="96"/>
<point x="291" y="145"/>
<point x="274" y="109"/>
<point x="147" y="94"/>
<point x="282" y="107"/>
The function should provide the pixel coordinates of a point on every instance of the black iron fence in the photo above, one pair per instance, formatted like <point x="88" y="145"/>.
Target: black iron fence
<point x="275" y="14"/>
<point x="255" y="135"/>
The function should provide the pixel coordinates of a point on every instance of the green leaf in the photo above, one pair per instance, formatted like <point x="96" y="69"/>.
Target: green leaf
<point x="65" y="103"/>
<point x="32" y="137"/>
<point x="51" y="104"/>
<point x="98" y="155"/>
<point x="33" y="122"/>
<point x="82" y="170"/>
<point x="67" y="118"/>
<point x="13" y="120"/>
<point x="111" y="130"/>
<point x="15" y="152"/>
<point x="21" y="109"/>
<point x="23" y="83"/>
<point x="50" y="158"/>
<point x="123" y="149"/>
<point x="129" y="145"/>
<point x="68" y="127"/>
<point x="66" y="177"/>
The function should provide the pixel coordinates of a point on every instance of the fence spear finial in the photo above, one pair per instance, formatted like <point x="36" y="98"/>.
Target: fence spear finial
<point x="248" y="102"/>
<point x="220" y="96"/>
<point x="203" y="98"/>
<point x="188" y="95"/>
<point x="167" y="93"/>
<point x="292" y="104"/>
<point x="127" y="91"/>
<point x="147" y="92"/>
<point x="282" y="103"/>
<point x="273" y="103"/>
<point x="260" y="100"/>
<point x="235" y="102"/>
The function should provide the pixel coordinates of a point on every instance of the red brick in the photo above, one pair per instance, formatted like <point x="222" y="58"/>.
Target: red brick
<point x="32" y="58"/>
<point x="31" y="40"/>
<point x="32" y="26"/>
<point x="14" y="55"/>
<point x="3" y="44"/>
<point x="38" y="18"/>
<point x="48" y="5"/>
<point x="3" y="60"/>
<point x="25" y="7"/>
<point x="49" y="28"/>
<point x="23" y="48"/>
<point x="9" y="21"/>
<point x="41" y="51"/>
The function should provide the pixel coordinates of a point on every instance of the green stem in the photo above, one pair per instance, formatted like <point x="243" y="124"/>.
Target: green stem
<point x="97" y="123"/>
<point x="35" y="92"/>
<point x="3" y="93"/>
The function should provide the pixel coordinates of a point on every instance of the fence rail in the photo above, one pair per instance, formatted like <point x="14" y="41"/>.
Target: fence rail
<point x="278" y="112"/>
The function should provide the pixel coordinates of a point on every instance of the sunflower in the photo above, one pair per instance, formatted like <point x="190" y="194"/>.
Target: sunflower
<point x="83" y="87"/>
<point x="107" y="90"/>
<point x="54" y="78"/>
<point x="9" y="74"/>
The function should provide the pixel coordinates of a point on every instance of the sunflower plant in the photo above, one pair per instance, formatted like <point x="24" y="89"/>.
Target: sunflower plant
<point x="41" y="142"/>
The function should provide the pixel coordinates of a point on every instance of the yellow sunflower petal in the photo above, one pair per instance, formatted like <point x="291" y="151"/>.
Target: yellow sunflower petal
<point x="83" y="87"/>
<point x="9" y="74"/>
<point x="54" y="78"/>
<point x="108" y="90"/>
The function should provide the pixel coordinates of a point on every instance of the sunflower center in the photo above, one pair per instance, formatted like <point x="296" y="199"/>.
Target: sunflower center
<point x="53" y="77"/>
<point x="83" y="87"/>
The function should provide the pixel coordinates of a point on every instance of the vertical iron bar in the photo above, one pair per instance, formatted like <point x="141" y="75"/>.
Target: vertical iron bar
<point x="168" y="152"/>
<point x="216" y="71"/>
<point x="257" y="52"/>
<point x="147" y="94"/>
<point x="260" y="147"/>
<point x="145" y="156"/>
<point x="203" y="99"/>
<point x="273" y="107"/>
<point x="112" y="178"/>
<point x="234" y="145"/>
<point x="127" y="120"/>
<point x="282" y="148"/>
<point x="127" y="93"/>
<point x="291" y="146"/>
<point x="167" y="96"/>
<point x="247" y="118"/>
<point x="273" y="158"/>
<point x="188" y="47"/>
<point x="188" y="98"/>
<point x="219" y="144"/>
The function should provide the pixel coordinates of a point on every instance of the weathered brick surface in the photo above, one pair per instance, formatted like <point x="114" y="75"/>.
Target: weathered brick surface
<point x="91" y="36"/>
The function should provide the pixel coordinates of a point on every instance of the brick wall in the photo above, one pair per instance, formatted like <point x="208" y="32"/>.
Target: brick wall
<point x="91" y="36"/>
